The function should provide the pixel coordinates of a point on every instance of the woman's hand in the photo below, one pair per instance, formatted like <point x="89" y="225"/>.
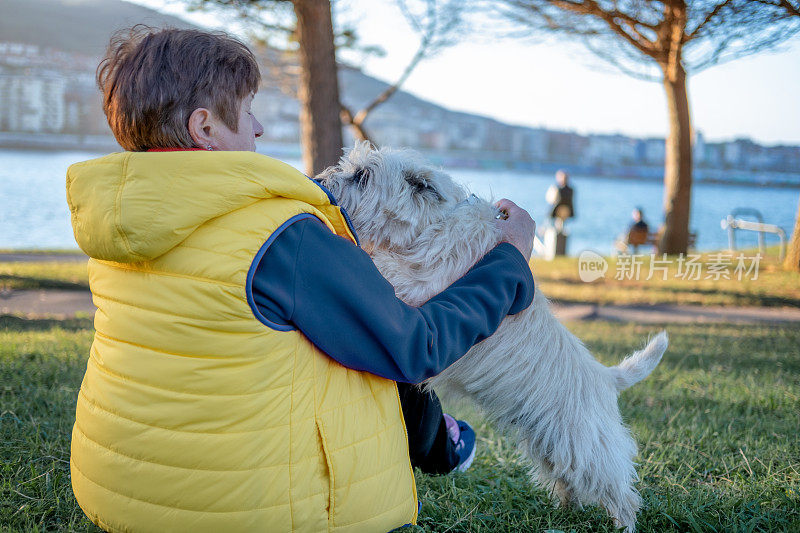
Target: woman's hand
<point x="517" y="227"/>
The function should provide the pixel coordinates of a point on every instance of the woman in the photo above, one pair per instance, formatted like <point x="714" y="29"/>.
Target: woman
<point x="244" y="367"/>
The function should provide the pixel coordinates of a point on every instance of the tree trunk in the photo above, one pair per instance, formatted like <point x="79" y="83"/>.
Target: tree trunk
<point x="318" y="92"/>
<point x="792" y="261"/>
<point x="678" y="164"/>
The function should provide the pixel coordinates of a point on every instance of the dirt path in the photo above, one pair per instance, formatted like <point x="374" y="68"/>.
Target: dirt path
<point x="64" y="304"/>
<point x="678" y="314"/>
<point x="46" y="303"/>
<point x="28" y="257"/>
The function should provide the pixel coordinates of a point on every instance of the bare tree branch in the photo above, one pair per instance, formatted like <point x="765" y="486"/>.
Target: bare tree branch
<point x="436" y="21"/>
<point x="713" y="31"/>
<point x="436" y="27"/>
<point x="790" y="8"/>
<point x="361" y="116"/>
<point x="611" y="56"/>
<point x="618" y="22"/>
<point x="358" y="128"/>
<point x="708" y="18"/>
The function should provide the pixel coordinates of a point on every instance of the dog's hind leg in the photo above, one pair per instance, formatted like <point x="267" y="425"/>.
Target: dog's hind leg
<point x="566" y="497"/>
<point x="622" y="507"/>
<point x="560" y="490"/>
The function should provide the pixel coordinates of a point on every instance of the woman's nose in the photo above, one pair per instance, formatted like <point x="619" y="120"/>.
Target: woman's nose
<point x="258" y="129"/>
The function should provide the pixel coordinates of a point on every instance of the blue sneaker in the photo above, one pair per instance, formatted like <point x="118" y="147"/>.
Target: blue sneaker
<point x="463" y="436"/>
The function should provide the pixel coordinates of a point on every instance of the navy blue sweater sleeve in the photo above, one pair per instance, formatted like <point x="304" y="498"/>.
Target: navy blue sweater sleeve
<point x="330" y="290"/>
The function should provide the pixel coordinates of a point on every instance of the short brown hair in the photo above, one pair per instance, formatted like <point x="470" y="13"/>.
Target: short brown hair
<point x="152" y="79"/>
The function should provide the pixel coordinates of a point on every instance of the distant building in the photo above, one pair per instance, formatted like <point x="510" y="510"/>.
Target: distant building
<point x="784" y="158"/>
<point x="390" y="127"/>
<point x="51" y="91"/>
<point x="528" y="144"/>
<point x="714" y="155"/>
<point x="433" y="139"/>
<point x="465" y="132"/>
<point x="32" y="102"/>
<point x="18" y="54"/>
<point x="610" y="150"/>
<point x="732" y="153"/>
<point x="651" y="151"/>
<point x="699" y="152"/>
<point x="566" y="147"/>
<point x="47" y="91"/>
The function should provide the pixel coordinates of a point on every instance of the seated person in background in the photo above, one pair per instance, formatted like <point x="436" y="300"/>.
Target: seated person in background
<point x="637" y="233"/>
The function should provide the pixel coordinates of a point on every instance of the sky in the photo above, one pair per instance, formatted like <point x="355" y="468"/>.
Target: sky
<point x="557" y="84"/>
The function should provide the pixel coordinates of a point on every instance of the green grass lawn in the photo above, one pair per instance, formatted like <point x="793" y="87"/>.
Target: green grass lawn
<point x="66" y="275"/>
<point x="558" y="279"/>
<point x="774" y="286"/>
<point x="717" y="421"/>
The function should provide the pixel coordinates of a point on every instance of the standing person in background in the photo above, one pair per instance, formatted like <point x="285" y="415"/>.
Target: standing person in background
<point x="561" y="196"/>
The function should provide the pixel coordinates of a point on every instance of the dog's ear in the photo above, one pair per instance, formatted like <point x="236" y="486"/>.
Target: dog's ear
<point x="420" y="182"/>
<point x="361" y="176"/>
<point x="416" y="180"/>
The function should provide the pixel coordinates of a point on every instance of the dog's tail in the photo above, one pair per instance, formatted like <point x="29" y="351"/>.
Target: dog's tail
<point x="638" y="365"/>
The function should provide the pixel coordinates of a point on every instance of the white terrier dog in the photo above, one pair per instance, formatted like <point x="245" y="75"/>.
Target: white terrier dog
<point x="532" y="376"/>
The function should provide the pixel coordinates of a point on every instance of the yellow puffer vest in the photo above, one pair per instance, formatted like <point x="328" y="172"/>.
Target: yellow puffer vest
<point x="194" y="415"/>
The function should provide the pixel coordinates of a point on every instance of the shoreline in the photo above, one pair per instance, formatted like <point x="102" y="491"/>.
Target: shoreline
<point x="480" y="161"/>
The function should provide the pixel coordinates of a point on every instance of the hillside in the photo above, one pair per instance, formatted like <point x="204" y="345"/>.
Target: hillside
<point x="359" y="89"/>
<point x="76" y="26"/>
<point x="84" y="27"/>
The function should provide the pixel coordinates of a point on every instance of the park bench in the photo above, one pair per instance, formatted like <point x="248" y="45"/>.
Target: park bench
<point x="645" y="238"/>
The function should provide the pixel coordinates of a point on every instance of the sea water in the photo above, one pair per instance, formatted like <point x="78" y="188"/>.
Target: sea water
<point x="34" y="212"/>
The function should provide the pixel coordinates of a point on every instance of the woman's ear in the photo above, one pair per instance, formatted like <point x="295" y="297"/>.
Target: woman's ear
<point x="201" y="128"/>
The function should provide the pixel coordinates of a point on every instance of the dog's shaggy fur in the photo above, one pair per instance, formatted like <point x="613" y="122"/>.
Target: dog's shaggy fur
<point x="532" y="376"/>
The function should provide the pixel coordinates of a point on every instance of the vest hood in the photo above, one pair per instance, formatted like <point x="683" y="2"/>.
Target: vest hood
<point x="135" y="206"/>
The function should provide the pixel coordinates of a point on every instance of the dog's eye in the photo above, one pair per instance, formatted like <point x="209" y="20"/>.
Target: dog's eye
<point x="361" y="176"/>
